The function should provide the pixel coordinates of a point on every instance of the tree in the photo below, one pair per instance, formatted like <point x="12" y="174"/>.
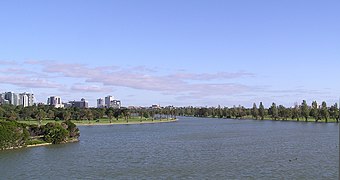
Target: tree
<point x="40" y="115"/>
<point x="146" y="114"/>
<point x="66" y="115"/>
<point x="304" y="110"/>
<point x="152" y="114"/>
<point x="25" y="113"/>
<point x="255" y="111"/>
<point x="261" y="111"/>
<point x="116" y="114"/>
<point x="334" y="112"/>
<point x="55" y="133"/>
<point x="315" y="111"/>
<point x="296" y="112"/>
<point x="109" y="114"/>
<point x="226" y="112"/>
<point x="126" y="114"/>
<point x="50" y="114"/>
<point x="219" y="112"/>
<point x="273" y="111"/>
<point x="2" y="112"/>
<point x="324" y="111"/>
<point x="283" y="113"/>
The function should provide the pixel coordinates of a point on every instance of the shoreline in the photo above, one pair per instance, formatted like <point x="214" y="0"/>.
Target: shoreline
<point x="39" y="145"/>
<point x="125" y="123"/>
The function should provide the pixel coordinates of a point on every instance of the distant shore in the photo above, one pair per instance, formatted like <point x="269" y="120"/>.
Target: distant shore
<point x="124" y="123"/>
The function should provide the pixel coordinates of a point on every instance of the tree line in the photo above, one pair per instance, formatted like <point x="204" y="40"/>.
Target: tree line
<point x="42" y="112"/>
<point x="299" y="112"/>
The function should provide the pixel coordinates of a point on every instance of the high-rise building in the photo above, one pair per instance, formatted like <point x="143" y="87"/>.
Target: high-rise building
<point x="23" y="100"/>
<point x="2" y="99"/>
<point x="12" y="98"/>
<point x="26" y="99"/>
<point x="108" y="100"/>
<point x="100" y="103"/>
<point x="55" y="101"/>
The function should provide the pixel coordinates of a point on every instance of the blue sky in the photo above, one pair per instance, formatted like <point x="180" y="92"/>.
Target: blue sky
<point x="200" y="53"/>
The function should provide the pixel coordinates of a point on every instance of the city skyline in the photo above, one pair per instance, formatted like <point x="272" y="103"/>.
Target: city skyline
<point x="177" y="53"/>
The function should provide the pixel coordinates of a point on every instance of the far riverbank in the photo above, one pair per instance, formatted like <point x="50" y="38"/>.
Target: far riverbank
<point x="91" y="123"/>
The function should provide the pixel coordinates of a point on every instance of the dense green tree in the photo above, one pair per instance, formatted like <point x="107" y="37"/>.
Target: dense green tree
<point x="116" y="113"/>
<point x="55" y="133"/>
<point x="110" y="113"/>
<point x="12" y="134"/>
<point x="226" y="112"/>
<point x="273" y="111"/>
<point x="2" y="112"/>
<point x="50" y="114"/>
<point x="71" y="128"/>
<point x="24" y="113"/>
<point x="261" y="111"/>
<point x="334" y="112"/>
<point x="304" y="110"/>
<point x="314" y="112"/>
<point x="219" y="112"/>
<point x="282" y="112"/>
<point x="324" y="111"/>
<point x="152" y="114"/>
<point x="296" y="113"/>
<point x="255" y="111"/>
<point x="40" y="115"/>
<point x="66" y="115"/>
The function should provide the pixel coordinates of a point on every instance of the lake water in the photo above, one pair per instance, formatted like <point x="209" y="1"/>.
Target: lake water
<point x="192" y="148"/>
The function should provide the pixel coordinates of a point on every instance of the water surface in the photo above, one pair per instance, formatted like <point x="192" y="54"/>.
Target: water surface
<point x="192" y="148"/>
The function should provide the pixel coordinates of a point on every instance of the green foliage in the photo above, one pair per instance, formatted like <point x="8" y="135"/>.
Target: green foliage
<point x="12" y="134"/>
<point x="255" y="111"/>
<point x="273" y="111"/>
<point x="54" y="133"/>
<point x="261" y="111"/>
<point x="71" y="128"/>
<point x="304" y="110"/>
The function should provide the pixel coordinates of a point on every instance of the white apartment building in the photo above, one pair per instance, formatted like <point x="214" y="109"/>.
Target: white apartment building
<point x="55" y="101"/>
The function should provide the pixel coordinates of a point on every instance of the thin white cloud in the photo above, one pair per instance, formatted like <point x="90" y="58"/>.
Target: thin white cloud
<point x="90" y="88"/>
<point x="5" y="62"/>
<point x="28" y="82"/>
<point x="194" y="85"/>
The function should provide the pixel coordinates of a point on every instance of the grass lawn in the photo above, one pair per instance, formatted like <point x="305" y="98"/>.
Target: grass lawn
<point x="103" y="121"/>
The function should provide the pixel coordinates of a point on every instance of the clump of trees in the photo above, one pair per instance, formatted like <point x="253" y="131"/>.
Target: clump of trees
<point x="14" y="134"/>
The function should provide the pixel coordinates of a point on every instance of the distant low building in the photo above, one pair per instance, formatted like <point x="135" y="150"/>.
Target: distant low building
<point x="79" y="104"/>
<point x="155" y="106"/>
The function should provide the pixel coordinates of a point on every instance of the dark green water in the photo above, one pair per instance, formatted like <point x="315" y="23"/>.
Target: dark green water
<point x="188" y="149"/>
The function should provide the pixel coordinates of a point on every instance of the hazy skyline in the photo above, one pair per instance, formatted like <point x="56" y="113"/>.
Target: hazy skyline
<point x="200" y="53"/>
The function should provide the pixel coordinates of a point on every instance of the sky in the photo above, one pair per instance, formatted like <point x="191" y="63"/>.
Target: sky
<point x="172" y="52"/>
